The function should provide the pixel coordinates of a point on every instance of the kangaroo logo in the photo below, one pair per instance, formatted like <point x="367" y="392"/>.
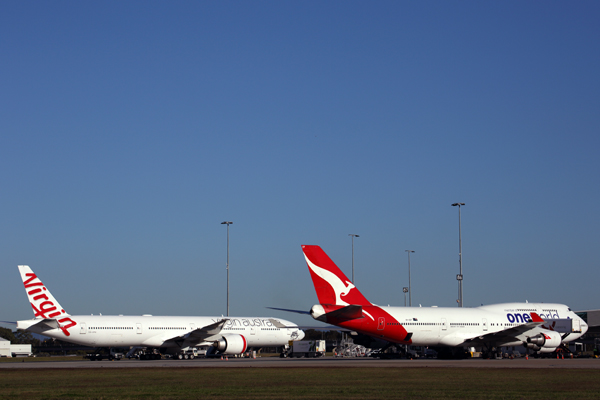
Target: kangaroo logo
<point x="339" y="287"/>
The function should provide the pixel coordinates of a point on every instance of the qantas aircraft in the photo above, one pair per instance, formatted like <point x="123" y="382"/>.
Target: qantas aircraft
<point x="539" y="326"/>
<point x="224" y="335"/>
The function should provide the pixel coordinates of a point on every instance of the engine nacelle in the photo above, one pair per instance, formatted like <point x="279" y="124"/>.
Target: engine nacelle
<point x="546" y="350"/>
<point x="545" y="342"/>
<point x="231" y="344"/>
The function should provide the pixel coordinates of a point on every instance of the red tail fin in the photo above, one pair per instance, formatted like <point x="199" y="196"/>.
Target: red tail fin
<point x="331" y="285"/>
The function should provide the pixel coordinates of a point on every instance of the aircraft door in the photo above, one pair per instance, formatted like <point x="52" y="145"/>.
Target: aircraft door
<point x="444" y="324"/>
<point x="484" y="324"/>
<point x="253" y="330"/>
<point x="138" y="328"/>
<point x="83" y="329"/>
<point x="381" y="324"/>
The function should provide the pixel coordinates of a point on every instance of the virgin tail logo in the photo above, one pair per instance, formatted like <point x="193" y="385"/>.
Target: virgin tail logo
<point x="43" y="303"/>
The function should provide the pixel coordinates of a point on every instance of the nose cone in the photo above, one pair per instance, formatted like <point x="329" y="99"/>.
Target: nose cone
<point x="584" y="327"/>
<point x="300" y="334"/>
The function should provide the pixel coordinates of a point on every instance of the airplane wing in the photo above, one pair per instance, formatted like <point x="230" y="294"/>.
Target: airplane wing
<point x="279" y="325"/>
<point x="203" y="333"/>
<point x="509" y="334"/>
<point x="189" y="339"/>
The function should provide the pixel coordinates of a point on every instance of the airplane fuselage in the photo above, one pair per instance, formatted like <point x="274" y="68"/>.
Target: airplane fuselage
<point x="446" y="326"/>
<point x="156" y="331"/>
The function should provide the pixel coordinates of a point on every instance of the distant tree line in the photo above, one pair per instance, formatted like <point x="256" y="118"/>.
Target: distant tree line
<point x="49" y="345"/>
<point x="19" y="337"/>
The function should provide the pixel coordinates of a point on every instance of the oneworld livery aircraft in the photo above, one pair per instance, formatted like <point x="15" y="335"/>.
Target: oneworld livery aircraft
<point x="171" y="334"/>
<point x="541" y="327"/>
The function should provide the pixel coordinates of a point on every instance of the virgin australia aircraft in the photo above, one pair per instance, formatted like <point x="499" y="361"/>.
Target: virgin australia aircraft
<point x="539" y="326"/>
<point x="225" y="335"/>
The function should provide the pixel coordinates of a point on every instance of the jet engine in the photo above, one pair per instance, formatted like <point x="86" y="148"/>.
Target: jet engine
<point x="231" y="344"/>
<point x="545" y="342"/>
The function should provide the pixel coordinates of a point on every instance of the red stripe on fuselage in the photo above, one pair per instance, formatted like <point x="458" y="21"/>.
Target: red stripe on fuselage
<point x="390" y="329"/>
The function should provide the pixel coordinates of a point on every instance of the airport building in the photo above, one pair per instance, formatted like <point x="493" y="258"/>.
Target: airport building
<point x="592" y="336"/>
<point x="14" y="350"/>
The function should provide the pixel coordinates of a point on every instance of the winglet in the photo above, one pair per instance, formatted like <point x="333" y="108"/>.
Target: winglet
<point x="536" y="318"/>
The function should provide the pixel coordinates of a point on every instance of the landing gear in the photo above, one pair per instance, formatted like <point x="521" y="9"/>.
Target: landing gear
<point x="451" y="353"/>
<point x="150" y="356"/>
<point x="104" y="353"/>
<point x="490" y="351"/>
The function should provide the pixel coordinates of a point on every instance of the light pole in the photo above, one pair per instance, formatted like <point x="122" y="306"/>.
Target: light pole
<point x="459" y="277"/>
<point x="405" y="290"/>
<point x="353" y="236"/>
<point x="409" y="288"/>
<point x="227" y="223"/>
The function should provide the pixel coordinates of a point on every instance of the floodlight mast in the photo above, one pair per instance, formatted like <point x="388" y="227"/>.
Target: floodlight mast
<point x="227" y="223"/>
<point x="409" y="287"/>
<point x="459" y="277"/>
<point x="353" y="236"/>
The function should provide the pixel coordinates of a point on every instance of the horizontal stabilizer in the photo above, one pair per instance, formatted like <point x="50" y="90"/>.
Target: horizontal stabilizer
<point x="288" y="310"/>
<point x="44" y="324"/>
<point x="346" y="313"/>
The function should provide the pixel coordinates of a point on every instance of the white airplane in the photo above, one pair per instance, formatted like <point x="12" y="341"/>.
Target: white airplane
<point x="539" y="326"/>
<point x="225" y="335"/>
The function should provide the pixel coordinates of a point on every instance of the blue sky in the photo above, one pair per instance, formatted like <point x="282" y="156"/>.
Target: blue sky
<point x="130" y="130"/>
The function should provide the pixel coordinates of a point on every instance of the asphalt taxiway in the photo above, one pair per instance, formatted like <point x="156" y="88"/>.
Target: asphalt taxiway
<point x="327" y="362"/>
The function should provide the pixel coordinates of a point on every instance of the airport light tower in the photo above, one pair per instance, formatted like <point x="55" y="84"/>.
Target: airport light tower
<point x="353" y="236"/>
<point x="227" y="223"/>
<point x="459" y="277"/>
<point x="409" y="288"/>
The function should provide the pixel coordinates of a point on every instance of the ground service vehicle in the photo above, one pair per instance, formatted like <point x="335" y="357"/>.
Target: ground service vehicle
<point x="306" y="348"/>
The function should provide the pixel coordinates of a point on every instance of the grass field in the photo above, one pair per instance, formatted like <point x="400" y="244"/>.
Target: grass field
<point x="300" y="383"/>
